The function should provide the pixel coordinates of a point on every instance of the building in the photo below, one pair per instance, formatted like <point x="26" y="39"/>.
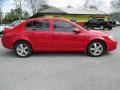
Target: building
<point x="80" y="16"/>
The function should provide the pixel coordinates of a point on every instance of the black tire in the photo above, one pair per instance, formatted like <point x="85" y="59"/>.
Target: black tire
<point x="89" y="50"/>
<point x="25" y="45"/>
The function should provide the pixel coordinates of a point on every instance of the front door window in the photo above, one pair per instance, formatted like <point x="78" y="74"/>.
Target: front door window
<point x="61" y="26"/>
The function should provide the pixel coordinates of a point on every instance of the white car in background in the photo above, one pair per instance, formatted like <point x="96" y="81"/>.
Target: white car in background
<point x="9" y="25"/>
<point x="117" y="23"/>
<point x="2" y="28"/>
<point x="15" y="23"/>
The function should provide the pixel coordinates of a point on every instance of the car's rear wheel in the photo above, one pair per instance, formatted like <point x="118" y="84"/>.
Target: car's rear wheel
<point x="96" y="48"/>
<point x="22" y="49"/>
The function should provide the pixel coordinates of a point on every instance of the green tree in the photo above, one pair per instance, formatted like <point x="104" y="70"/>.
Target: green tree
<point x="93" y="4"/>
<point x="37" y="5"/>
<point x="15" y="14"/>
<point x="115" y="16"/>
<point x="115" y="4"/>
<point x="25" y="15"/>
<point x="1" y="14"/>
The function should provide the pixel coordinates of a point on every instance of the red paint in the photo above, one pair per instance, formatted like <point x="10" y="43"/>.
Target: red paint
<point x="55" y="41"/>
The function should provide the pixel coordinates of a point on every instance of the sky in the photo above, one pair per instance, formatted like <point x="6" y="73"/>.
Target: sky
<point x="9" y="4"/>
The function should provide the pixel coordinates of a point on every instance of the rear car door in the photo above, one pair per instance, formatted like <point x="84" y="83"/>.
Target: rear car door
<point x="39" y="33"/>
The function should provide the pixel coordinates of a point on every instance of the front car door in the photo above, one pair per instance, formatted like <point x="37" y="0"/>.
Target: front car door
<point x="64" y="39"/>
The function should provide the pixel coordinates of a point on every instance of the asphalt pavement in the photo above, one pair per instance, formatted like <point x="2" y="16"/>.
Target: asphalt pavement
<point x="61" y="71"/>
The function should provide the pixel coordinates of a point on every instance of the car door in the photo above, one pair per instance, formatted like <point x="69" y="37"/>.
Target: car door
<point x="64" y="39"/>
<point x="39" y="33"/>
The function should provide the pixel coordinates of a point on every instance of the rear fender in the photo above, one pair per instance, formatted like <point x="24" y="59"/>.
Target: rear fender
<point x="21" y="39"/>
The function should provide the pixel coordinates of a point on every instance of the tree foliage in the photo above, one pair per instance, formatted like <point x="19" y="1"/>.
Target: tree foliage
<point x="18" y="13"/>
<point x="37" y="5"/>
<point x="92" y="4"/>
<point x="115" y="5"/>
<point x="116" y="9"/>
<point x="115" y="16"/>
<point x="15" y="14"/>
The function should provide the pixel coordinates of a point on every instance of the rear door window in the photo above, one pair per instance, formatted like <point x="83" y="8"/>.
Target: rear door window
<point x="38" y="25"/>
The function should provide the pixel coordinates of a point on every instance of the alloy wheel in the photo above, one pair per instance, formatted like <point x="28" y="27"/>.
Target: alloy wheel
<point x="96" y="49"/>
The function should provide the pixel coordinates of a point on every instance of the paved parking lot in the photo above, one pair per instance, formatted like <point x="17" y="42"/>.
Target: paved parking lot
<point x="61" y="71"/>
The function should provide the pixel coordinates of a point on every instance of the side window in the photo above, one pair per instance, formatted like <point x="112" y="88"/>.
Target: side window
<point x="38" y="25"/>
<point x="62" y="26"/>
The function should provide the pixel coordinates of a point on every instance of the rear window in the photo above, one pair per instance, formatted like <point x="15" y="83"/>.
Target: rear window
<point x="15" y="23"/>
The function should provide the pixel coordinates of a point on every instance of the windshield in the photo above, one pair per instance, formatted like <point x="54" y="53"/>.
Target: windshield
<point x="15" y="23"/>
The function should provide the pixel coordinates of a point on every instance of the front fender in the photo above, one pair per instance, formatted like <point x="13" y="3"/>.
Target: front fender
<point x="98" y="38"/>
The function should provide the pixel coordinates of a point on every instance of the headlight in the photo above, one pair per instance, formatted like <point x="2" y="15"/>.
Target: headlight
<point x="112" y="38"/>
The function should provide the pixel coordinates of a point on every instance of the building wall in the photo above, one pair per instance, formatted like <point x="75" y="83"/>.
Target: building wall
<point x="80" y="19"/>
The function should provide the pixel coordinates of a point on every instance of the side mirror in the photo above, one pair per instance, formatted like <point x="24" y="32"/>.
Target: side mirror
<point x="76" y="31"/>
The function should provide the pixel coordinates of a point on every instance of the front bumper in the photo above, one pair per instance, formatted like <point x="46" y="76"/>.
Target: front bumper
<point x="112" y="45"/>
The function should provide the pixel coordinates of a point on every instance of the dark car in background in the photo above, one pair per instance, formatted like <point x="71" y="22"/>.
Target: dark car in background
<point x="2" y="26"/>
<point x="112" y="22"/>
<point x="98" y="23"/>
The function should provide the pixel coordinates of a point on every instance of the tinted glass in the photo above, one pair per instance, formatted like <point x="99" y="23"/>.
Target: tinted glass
<point x="15" y="23"/>
<point x="38" y="25"/>
<point x="63" y="26"/>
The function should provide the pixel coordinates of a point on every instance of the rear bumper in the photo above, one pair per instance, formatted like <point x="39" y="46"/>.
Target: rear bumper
<point x="6" y="42"/>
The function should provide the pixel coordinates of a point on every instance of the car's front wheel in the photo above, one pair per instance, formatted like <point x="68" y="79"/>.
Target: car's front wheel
<point x="96" y="48"/>
<point x="22" y="49"/>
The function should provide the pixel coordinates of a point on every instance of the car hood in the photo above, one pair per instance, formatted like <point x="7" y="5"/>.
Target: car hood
<point x="99" y="33"/>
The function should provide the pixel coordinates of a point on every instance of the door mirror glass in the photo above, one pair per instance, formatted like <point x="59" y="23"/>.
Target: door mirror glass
<point x="76" y="30"/>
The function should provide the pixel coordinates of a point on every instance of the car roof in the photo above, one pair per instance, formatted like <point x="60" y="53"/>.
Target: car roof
<point x="47" y="18"/>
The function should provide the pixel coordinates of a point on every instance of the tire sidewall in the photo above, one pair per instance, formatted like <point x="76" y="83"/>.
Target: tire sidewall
<point x="88" y="49"/>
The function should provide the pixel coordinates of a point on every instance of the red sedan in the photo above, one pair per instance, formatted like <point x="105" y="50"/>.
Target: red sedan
<point x="55" y="34"/>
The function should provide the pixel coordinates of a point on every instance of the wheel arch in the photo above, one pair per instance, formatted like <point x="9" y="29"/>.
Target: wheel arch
<point x="100" y="40"/>
<point x="22" y="40"/>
